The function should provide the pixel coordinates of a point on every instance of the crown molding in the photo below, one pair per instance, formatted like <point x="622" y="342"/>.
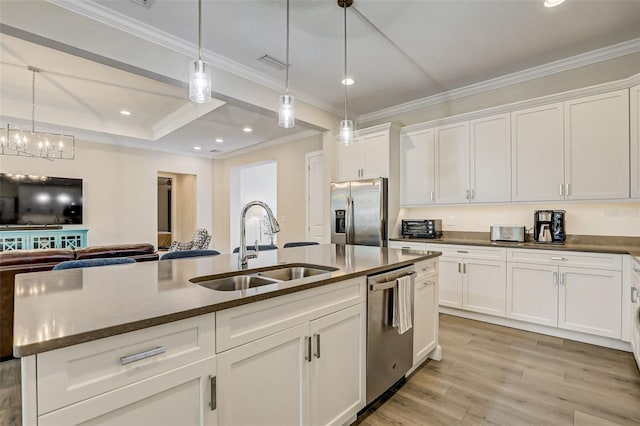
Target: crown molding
<point x="119" y="21"/>
<point x="529" y="103"/>
<point x="572" y="62"/>
<point x="273" y="142"/>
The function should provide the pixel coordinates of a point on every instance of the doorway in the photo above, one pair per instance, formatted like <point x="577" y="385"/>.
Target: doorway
<point x="176" y="206"/>
<point x="315" y="196"/>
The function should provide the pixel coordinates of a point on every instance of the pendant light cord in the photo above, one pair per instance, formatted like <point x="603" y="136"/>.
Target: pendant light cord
<point x="344" y="6"/>
<point x="200" y="29"/>
<point x="33" y="70"/>
<point x="287" y="58"/>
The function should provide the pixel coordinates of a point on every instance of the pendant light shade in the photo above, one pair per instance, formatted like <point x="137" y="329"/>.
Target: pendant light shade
<point x="346" y="125"/>
<point x="200" y="82"/>
<point x="286" y="109"/>
<point x="199" y="71"/>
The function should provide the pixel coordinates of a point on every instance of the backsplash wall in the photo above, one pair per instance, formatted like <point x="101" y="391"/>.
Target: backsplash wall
<point x="619" y="218"/>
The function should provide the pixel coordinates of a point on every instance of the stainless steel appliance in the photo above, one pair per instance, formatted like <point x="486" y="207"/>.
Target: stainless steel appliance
<point x="389" y="354"/>
<point x="507" y="233"/>
<point x="359" y="212"/>
<point x="549" y="227"/>
<point x="427" y="228"/>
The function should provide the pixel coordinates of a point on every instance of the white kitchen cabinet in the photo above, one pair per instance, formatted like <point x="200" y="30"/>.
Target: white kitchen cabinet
<point x="425" y="311"/>
<point x="634" y="115"/>
<point x="537" y="154"/>
<point x="313" y="373"/>
<point x="368" y="156"/>
<point x="590" y="301"/>
<point x="484" y="286"/>
<point x="417" y="168"/>
<point x="490" y="159"/>
<point x="584" y="299"/>
<point x="450" y="282"/>
<point x="596" y="147"/>
<point x="178" y="397"/>
<point x="452" y="163"/>
<point x="532" y="293"/>
<point x="408" y="245"/>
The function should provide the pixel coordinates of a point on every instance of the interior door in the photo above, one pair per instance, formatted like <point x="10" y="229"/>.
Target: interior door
<point x="315" y="197"/>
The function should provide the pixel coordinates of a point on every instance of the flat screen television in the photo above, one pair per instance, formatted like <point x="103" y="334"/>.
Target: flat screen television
<point x="39" y="200"/>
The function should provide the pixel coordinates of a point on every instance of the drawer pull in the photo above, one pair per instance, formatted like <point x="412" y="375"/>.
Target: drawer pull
<point x="462" y="251"/>
<point x="142" y="355"/>
<point x="558" y="258"/>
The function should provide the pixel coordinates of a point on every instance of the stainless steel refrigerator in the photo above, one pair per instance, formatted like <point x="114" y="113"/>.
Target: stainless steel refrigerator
<point x="359" y="212"/>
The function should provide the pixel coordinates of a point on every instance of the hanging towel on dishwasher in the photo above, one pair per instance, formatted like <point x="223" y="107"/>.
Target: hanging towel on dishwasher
<point x="402" y="304"/>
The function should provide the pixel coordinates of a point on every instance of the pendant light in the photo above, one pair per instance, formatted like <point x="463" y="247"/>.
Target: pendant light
<point x="346" y="125"/>
<point x="287" y="111"/>
<point x="199" y="71"/>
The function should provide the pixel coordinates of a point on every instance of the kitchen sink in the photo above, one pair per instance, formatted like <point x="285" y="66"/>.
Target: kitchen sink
<point x="243" y="280"/>
<point x="294" y="272"/>
<point x="237" y="282"/>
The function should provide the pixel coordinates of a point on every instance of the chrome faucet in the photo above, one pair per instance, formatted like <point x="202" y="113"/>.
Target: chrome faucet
<point x="243" y="254"/>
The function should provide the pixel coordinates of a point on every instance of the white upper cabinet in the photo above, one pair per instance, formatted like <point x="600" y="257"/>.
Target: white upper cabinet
<point x="452" y="163"/>
<point x="596" y="146"/>
<point x="367" y="157"/>
<point x="634" y="104"/>
<point x="417" y="168"/>
<point x="490" y="154"/>
<point x="537" y="154"/>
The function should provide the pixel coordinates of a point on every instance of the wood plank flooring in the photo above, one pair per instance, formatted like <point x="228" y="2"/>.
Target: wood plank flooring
<point x="494" y="375"/>
<point x="489" y="375"/>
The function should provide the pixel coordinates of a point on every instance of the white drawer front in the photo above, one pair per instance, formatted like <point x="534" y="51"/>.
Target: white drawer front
<point x="407" y="245"/>
<point x="78" y="372"/>
<point x="470" y="252"/>
<point x="246" y="323"/>
<point x="427" y="267"/>
<point x="573" y="259"/>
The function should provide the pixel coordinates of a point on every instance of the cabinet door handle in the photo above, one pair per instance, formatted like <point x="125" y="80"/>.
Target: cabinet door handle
<point x="317" y="353"/>
<point x="558" y="258"/>
<point x="634" y="298"/>
<point x="555" y="278"/>
<point x="473" y="194"/>
<point x="431" y="195"/>
<point x="467" y="196"/>
<point x="142" y="355"/>
<point x="308" y="355"/>
<point x="561" y="189"/>
<point x="212" y="399"/>
<point x="464" y="268"/>
<point x="562" y="277"/>
<point x="459" y="268"/>
<point x="567" y="189"/>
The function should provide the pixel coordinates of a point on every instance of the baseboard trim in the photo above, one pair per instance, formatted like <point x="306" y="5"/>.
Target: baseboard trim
<point x="541" y="329"/>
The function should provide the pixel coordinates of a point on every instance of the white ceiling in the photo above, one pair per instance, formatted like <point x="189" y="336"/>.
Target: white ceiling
<point x="399" y="51"/>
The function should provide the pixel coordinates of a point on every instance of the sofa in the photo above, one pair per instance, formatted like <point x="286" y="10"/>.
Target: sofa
<point x="20" y="261"/>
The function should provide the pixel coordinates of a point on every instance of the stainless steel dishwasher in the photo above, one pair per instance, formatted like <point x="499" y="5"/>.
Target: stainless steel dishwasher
<point x="389" y="354"/>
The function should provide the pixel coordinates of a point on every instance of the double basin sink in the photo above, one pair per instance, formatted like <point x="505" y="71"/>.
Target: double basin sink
<point x="243" y="280"/>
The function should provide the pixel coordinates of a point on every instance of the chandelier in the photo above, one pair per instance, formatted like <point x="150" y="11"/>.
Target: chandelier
<point x="29" y="143"/>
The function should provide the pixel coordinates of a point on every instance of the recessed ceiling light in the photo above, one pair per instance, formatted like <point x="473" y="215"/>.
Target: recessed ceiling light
<point x="348" y="81"/>
<point x="197" y="148"/>
<point x="552" y="3"/>
<point x="125" y="112"/>
<point x="219" y="140"/>
<point x="247" y="130"/>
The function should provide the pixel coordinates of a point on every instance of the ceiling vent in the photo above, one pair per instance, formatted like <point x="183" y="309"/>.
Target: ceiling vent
<point x="215" y="151"/>
<point x="145" y="3"/>
<point x="273" y="62"/>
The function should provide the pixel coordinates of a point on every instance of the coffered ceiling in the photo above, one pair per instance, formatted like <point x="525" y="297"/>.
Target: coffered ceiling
<point x="399" y="51"/>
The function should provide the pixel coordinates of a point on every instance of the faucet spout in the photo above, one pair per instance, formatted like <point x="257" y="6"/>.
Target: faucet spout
<point x="243" y="254"/>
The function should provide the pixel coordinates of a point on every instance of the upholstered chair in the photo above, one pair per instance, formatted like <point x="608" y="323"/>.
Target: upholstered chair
<point x="88" y="263"/>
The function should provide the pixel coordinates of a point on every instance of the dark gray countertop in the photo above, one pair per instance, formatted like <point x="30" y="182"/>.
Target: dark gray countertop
<point x="63" y="308"/>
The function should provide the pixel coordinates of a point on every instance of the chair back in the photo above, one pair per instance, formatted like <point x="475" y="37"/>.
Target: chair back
<point x="261" y="247"/>
<point x="88" y="263"/>
<point x="300" y="244"/>
<point x="188" y="253"/>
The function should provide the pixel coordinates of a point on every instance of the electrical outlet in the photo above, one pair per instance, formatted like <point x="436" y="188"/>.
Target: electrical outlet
<point x="451" y="221"/>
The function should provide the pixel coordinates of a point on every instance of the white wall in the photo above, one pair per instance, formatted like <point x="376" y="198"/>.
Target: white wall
<point x="120" y="188"/>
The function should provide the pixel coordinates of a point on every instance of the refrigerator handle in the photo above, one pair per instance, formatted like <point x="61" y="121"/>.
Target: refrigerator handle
<point x="349" y="221"/>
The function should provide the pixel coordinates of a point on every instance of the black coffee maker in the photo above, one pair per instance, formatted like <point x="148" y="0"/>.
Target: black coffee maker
<point x="548" y="226"/>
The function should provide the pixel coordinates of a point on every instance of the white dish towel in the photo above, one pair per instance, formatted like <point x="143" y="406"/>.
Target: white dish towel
<point x="402" y="304"/>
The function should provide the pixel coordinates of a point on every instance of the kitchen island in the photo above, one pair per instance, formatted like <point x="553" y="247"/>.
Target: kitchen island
<point x="142" y="343"/>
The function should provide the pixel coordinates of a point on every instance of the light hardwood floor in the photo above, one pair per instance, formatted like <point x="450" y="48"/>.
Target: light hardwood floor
<point x="489" y="375"/>
<point x="493" y="375"/>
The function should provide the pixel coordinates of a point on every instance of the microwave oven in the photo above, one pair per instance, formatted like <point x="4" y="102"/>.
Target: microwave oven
<point x="426" y="228"/>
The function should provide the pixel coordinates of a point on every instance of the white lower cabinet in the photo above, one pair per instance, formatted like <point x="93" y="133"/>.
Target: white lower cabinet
<point x="578" y="299"/>
<point x="450" y="282"/>
<point x="425" y="310"/>
<point x="313" y="373"/>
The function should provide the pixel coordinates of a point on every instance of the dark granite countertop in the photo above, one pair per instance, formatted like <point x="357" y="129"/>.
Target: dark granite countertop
<point x="55" y="309"/>
<point x="586" y="243"/>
